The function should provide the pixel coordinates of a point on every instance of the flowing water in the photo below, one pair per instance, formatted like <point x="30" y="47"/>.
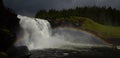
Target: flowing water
<point x="38" y="34"/>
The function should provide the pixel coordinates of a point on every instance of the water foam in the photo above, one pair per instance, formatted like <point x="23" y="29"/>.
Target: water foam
<point x="37" y="34"/>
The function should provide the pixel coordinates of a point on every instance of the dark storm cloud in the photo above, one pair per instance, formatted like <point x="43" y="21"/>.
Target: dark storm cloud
<point x="30" y="7"/>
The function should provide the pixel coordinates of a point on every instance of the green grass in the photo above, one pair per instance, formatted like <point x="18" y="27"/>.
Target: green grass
<point x="103" y="30"/>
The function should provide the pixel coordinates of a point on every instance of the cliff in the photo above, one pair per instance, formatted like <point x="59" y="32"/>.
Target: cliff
<point x="9" y="24"/>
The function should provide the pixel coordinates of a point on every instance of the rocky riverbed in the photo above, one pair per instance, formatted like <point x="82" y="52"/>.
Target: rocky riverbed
<point x="82" y="53"/>
<point x="93" y="52"/>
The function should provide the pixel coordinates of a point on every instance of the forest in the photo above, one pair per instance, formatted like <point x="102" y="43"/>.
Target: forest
<point x="103" y="15"/>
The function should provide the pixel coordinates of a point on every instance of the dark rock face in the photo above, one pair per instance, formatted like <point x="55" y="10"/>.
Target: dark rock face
<point x="1" y="5"/>
<point x="9" y="25"/>
<point x="18" y="52"/>
<point x="62" y="23"/>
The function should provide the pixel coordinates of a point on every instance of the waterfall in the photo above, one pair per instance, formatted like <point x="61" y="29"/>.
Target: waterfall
<point x="38" y="34"/>
<point x="118" y="47"/>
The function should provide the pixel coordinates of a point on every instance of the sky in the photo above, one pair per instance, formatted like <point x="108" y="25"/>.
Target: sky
<point x="30" y="7"/>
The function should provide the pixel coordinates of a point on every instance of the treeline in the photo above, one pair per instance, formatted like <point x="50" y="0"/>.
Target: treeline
<point x="103" y="15"/>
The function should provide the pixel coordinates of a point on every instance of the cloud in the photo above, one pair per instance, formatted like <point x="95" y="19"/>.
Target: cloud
<point x="30" y="7"/>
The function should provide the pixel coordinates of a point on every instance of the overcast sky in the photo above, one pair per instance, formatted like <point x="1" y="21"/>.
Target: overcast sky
<point x="30" y="7"/>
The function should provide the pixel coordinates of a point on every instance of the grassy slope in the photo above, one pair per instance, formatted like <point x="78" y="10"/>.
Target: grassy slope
<point x="102" y="30"/>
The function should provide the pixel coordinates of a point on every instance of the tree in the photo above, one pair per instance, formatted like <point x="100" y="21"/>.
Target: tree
<point x="103" y="15"/>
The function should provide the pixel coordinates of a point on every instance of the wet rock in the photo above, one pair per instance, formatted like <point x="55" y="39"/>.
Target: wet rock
<point x="102" y="52"/>
<point x="16" y="52"/>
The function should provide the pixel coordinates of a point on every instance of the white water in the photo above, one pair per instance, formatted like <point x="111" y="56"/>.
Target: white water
<point x="118" y="47"/>
<point x="37" y="34"/>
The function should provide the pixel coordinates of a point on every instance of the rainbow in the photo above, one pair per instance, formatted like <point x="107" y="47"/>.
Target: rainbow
<point x="88" y="32"/>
